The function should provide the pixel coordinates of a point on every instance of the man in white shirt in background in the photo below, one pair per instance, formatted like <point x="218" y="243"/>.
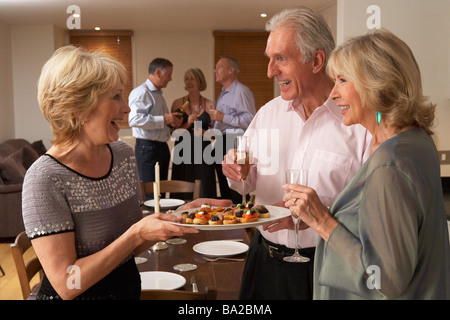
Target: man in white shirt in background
<point x="302" y="129"/>
<point x="150" y="119"/>
<point x="235" y="108"/>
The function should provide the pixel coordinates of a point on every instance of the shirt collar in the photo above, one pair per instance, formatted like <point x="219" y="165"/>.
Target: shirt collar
<point x="151" y="86"/>
<point x="231" y="88"/>
<point x="329" y="105"/>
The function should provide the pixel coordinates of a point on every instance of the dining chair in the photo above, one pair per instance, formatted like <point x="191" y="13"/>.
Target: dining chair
<point x="26" y="270"/>
<point x="174" y="186"/>
<point x="250" y="232"/>
<point x="208" y="294"/>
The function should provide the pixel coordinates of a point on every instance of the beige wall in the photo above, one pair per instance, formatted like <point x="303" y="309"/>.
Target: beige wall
<point x="6" y="86"/>
<point x="425" y="27"/>
<point x="31" y="47"/>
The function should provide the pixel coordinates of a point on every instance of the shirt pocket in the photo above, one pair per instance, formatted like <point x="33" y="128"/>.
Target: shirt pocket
<point x="329" y="173"/>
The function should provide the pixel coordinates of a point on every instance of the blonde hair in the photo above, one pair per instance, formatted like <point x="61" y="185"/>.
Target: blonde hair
<point x="69" y="86"/>
<point x="199" y="77"/>
<point x="386" y="76"/>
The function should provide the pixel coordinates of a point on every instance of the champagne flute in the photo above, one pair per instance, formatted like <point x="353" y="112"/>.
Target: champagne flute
<point x="243" y="155"/>
<point x="296" y="176"/>
<point x="212" y="107"/>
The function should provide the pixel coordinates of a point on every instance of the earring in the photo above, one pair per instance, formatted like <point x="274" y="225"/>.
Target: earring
<point x="378" y="117"/>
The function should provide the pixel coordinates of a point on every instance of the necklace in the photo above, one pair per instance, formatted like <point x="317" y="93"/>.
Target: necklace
<point x="191" y="106"/>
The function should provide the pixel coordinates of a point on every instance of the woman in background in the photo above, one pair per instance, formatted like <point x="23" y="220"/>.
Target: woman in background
<point x="196" y="121"/>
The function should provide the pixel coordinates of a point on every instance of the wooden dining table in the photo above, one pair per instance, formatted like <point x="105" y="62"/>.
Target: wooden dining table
<point x="224" y="275"/>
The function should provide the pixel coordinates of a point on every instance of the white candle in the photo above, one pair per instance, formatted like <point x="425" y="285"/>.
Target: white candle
<point x="156" y="196"/>
<point x="156" y="188"/>
<point x="157" y="173"/>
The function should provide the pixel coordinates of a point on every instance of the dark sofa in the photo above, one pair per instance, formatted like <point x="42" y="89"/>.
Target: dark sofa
<point x="16" y="156"/>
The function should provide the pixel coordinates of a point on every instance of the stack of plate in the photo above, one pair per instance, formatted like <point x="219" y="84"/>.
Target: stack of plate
<point x="161" y="280"/>
<point x="165" y="204"/>
<point x="220" y="248"/>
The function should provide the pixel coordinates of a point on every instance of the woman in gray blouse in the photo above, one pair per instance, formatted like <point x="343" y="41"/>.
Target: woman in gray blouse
<point x="81" y="200"/>
<point x="385" y="236"/>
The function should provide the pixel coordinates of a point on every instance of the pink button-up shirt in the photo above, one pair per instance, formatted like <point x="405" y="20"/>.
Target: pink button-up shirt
<point x="330" y="151"/>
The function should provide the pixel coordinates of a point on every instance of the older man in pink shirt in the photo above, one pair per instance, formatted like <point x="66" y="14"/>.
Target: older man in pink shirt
<point x="302" y="129"/>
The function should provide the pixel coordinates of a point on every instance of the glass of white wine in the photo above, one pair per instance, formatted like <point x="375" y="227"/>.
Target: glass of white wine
<point x="301" y="177"/>
<point x="243" y="158"/>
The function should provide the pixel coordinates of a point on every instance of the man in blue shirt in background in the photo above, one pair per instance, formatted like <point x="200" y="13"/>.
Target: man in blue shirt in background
<point x="235" y="109"/>
<point x="150" y="119"/>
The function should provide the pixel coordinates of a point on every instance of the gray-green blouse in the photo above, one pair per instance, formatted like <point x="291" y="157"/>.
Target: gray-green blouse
<point x="392" y="240"/>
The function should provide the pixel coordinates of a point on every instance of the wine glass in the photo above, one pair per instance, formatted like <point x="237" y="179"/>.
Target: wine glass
<point x="243" y="155"/>
<point x="296" y="176"/>
<point x="212" y="107"/>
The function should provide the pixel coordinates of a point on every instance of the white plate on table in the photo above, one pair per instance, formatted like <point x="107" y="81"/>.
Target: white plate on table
<point x="220" y="248"/>
<point x="161" y="280"/>
<point x="275" y="214"/>
<point x="165" y="203"/>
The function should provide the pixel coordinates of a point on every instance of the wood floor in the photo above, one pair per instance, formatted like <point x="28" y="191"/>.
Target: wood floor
<point x="9" y="283"/>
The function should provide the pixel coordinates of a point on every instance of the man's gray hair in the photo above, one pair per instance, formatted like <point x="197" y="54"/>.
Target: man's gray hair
<point x="232" y="62"/>
<point x="312" y="32"/>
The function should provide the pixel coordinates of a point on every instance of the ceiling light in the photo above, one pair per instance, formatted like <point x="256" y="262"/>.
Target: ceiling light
<point x="97" y="28"/>
<point x="263" y="15"/>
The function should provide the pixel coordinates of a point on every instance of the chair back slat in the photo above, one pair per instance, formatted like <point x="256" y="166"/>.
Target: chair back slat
<point x="173" y="186"/>
<point x="26" y="270"/>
